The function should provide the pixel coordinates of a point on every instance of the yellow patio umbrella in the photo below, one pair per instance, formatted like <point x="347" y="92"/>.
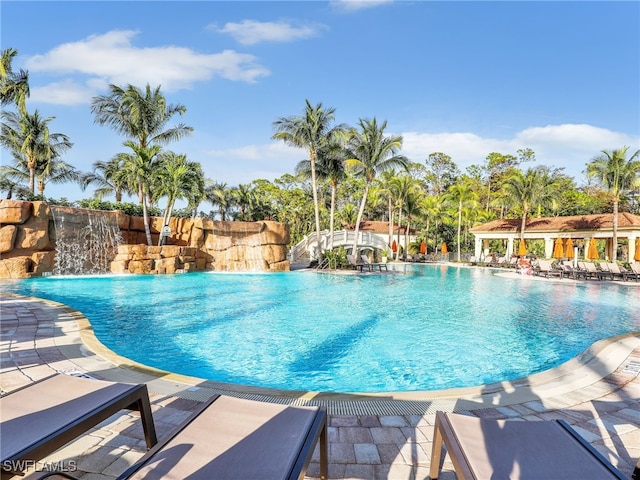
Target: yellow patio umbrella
<point x="558" y="251"/>
<point x="522" y="248"/>
<point x="636" y="257"/>
<point x="443" y="249"/>
<point x="592" y="252"/>
<point x="569" y="254"/>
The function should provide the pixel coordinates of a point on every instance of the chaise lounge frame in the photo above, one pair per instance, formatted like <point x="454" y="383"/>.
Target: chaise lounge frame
<point x="232" y="438"/>
<point x="42" y="416"/>
<point x="544" y="449"/>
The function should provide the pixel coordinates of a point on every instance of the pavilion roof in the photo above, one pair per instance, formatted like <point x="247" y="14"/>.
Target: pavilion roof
<point x="383" y="227"/>
<point x="562" y="224"/>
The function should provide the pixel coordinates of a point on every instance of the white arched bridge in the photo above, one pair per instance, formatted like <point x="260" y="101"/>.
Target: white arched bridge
<point x="306" y="249"/>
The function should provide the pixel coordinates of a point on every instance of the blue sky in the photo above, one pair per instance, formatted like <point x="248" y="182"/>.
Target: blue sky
<point x="463" y="78"/>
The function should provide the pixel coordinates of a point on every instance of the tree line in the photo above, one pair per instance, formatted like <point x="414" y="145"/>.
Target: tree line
<point x="351" y="173"/>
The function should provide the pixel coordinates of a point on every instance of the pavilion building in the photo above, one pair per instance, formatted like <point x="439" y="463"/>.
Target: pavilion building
<point x="579" y="228"/>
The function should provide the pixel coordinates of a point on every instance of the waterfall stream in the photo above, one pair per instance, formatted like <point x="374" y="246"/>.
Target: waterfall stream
<point x="86" y="241"/>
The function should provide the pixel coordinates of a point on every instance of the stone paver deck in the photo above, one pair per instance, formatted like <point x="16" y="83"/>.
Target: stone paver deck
<point x="598" y="394"/>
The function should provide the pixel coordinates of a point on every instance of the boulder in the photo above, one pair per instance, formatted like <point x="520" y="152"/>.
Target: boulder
<point x="17" y="267"/>
<point x="7" y="237"/>
<point x="14" y="211"/>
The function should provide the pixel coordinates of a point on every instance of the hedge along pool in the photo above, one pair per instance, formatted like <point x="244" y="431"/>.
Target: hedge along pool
<point x="428" y="327"/>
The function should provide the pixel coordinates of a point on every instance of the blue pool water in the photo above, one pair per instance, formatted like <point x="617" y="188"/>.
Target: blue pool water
<point x="429" y="327"/>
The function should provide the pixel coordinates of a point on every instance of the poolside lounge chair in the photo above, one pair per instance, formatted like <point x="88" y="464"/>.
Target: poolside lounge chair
<point x="619" y="272"/>
<point x="486" y="449"/>
<point x="546" y="269"/>
<point x="357" y="265"/>
<point x="589" y="270"/>
<point x="379" y="266"/>
<point x="231" y="438"/>
<point x="41" y="417"/>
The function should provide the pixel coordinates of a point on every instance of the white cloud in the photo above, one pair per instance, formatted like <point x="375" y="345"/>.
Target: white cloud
<point x="568" y="146"/>
<point x="250" y="32"/>
<point x="112" y="58"/>
<point x="269" y="161"/>
<point x="67" y="92"/>
<point x="355" y="5"/>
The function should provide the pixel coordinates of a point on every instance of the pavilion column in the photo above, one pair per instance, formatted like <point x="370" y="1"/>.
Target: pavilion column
<point x="632" y="248"/>
<point x="548" y="247"/>
<point x="509" y="248"/>
<point x="477" y="251"/>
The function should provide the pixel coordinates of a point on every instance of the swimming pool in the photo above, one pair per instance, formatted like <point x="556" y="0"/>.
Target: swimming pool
<point x="429" y="327"/>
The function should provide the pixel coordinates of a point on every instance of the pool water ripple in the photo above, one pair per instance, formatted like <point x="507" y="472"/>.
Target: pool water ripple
<point x="428" y="327"/>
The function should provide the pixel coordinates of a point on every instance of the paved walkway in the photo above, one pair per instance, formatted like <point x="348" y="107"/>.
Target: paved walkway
<point x="370" y="438"/>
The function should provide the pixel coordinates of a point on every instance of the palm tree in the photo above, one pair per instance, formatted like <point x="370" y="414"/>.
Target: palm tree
<point x="401" y="187"/>
<point x="529" y="190"/>
<point x="369" y="152"/>
<point x="313" y="131"/>
<point x="329" y="167"/>
<point x="244" y="198"/>
<point x="28" y="138"/>
<point x="618" y="175"/>
<point x="462" y="195"/>
<point x="385" y="189"/>
<point x="141" y="117"/>
<point x="140" y="171"/>
<point x="56" y="171"/>
<point x="14" y="86"/>
<point x="177" y="178"/>
<point x="219" y="194"/>
<point x="109" y="177"/>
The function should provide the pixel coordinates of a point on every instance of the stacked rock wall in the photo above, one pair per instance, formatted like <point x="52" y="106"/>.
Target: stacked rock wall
<point x="27" y="239"/>
<point x="28" y="243"/>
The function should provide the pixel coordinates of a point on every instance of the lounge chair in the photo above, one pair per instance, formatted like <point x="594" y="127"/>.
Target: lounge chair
<point x="619" y="272"/>
<point x="230" y="438"/>
<point x="43" y="416"/>
<point x="546" y="269"/>
<point x="379" y="266"/>
<point x="357" y="265"/>
<point x="589" y="270"/>
<point x="569" y="272"/>
<point x="635" y="268"/>
<point x="491" y="449"/>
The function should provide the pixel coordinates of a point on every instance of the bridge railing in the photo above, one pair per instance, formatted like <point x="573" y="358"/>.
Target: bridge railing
<point x="308" y="246"/>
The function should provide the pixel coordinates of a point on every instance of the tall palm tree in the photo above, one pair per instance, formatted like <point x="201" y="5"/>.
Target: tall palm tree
<point x="313" y="130"/>
<point x="385" y="184"/>
<point x="618" y="174"/>
<point x="14" y="86"/>
<point x="219" y="194"/>
<point x="401" y="188"/>
<point x="462" y="195"/>
<point x="329" y="167"/>
<point x="431" y="208"/>
<point x="244" y="198"/>
<point x="140" y="170"/>
<point x="529" y="189"/>
<point x="27" y="137"/>
<point x="56" y="171"/>
<point x="370" y="152"/>
<point x="177" y="178"/>
<point x="109" y="178"/>
<point x="142" y="118"/>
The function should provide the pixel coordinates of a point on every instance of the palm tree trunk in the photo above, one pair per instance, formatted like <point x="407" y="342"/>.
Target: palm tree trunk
<point x="459" y="227"/>
<point x="398" y="235"/>
<point x="390" y="207"/>
<point x="359" y="219"/>
<point x="31" y="165"/>
<point x="332" y="214"/>
<point x="316" y="207"/>
<point x="614" y="240"/>
<point x="145" y="217"/>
